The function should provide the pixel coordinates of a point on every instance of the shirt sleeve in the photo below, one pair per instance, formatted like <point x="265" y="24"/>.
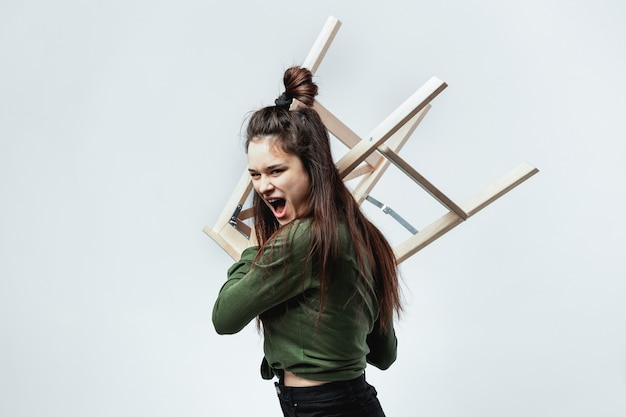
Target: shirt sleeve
<point x="383" y="347"/>
<point x="282" y="272"/>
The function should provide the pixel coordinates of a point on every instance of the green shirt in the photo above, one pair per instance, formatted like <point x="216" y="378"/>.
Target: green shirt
<point x="333" y="349"/>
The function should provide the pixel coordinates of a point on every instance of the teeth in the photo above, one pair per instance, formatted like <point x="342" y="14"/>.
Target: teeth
<point x="275" y="202"/>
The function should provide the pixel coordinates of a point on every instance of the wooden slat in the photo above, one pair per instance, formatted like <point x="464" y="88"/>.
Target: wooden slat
<point x="396" y="142"/>
<point x="359" y="171"/>
<point x="235" y="238"/>
<point x="342" y="132"/>
<point x="499" y="188"/>
<point x="242" y="227"/>
<point x="421" y="98"/>
<point x="246" y="213"/>
<point x="419" y="179"/>
<point x="426" y="235"/>
<point x="238" y="196"/>
<point x="223" y="243"/>
<point x="322" y="43"/>
<point x="450" y="220"/>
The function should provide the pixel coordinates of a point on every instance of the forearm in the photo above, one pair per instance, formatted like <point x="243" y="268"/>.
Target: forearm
<point x="227" y="317"/>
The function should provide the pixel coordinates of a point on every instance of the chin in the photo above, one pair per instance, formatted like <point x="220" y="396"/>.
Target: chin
<point x="285" y="220"/>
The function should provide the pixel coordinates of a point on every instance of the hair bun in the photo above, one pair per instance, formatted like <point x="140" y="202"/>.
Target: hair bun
<point x="299" y="85"/>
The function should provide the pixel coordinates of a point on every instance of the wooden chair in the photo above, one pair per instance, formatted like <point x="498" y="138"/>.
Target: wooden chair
<point x="368" y="158"/>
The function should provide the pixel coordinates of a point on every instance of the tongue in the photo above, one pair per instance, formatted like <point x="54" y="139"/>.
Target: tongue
<point x="280" y="208"/>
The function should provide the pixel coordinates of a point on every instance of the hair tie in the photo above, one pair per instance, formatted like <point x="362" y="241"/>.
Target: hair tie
<point x="284" y="101"/>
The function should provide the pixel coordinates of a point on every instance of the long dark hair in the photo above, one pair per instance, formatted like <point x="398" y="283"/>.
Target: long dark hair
<point x="301" y="132"/>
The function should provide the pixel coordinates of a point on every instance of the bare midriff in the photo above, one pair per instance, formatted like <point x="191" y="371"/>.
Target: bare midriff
<point x="291" y="380"/>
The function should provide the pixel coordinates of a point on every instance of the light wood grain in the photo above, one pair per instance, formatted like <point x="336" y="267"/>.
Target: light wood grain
<point x="420" y="99"/>
<point x="321" y="44"/>
<point x="342" y="132"/>
<point x="472" y="206"/>
<point x="396" y="142"/>
<point x="419" y="179"/>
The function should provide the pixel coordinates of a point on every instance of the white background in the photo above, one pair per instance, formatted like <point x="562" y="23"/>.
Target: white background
<point x="120" y="139"/>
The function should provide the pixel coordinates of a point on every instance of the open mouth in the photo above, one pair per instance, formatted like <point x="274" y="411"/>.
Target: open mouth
<point x="278" y="204"/>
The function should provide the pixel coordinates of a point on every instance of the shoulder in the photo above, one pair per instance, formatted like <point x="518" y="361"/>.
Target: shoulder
<point x="293" y="239"/>
<point x="297" y="230"/>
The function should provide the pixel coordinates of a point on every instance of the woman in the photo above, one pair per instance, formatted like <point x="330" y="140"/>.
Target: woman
<point x="323" y="281"/>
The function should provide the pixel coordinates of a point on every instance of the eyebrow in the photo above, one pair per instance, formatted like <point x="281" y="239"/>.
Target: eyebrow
<point x="269" y="168"/>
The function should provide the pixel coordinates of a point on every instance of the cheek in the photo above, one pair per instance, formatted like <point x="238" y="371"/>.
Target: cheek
<point x="305" y="190"/>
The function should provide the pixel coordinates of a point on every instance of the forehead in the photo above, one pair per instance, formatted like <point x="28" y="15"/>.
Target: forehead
<point x="263" y="153"/>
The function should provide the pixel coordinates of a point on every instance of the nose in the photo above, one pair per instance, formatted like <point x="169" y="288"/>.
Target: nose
<point x="265" y="185"/>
